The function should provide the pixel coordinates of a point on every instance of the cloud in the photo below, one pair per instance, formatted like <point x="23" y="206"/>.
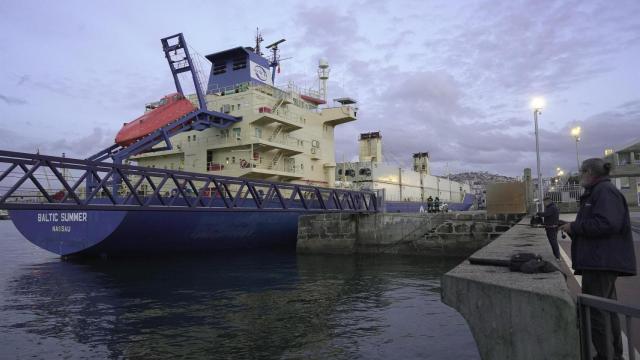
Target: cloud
<point x="86" y="145"/>
<point x="121" y="87"/>
<point x="23" y="79"/>
<point x="510" y="152"/>
<point x="81" y="147"/>
<point x="326" y="30"/>
<point x="427" y="111"/>
<point x="457" y="103"/>
<point x="12" y="100"/>
<point x="15" y="141"/>
<point x="531" y="45"/>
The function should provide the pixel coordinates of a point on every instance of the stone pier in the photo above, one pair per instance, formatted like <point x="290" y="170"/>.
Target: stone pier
<point x="514" y="315"/>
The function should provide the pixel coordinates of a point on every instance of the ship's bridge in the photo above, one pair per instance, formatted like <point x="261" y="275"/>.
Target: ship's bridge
<point x="238" y="65"/>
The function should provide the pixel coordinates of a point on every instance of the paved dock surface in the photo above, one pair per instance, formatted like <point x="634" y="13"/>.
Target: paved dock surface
<point x="628" y="287"/>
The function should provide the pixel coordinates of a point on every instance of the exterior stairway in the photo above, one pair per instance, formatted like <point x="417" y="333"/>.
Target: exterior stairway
<point x="276" y="160"/>
<point x="275" y="133"/>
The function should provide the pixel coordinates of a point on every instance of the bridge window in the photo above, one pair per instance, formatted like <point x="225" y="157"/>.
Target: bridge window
<point x="219" y="68"/>
<point x="239" y="63"/>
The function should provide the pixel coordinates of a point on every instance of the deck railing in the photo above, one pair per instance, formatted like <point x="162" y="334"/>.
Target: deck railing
<point x="564" y="193"/>
<point x="609" y="308"/>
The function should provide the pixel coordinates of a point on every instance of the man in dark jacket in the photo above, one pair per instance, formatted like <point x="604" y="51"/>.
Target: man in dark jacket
<point x="601" y="247"/>
<point x="551" y="217"/>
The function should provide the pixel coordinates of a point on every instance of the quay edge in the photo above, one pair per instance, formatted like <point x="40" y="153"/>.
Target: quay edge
<point x="514" y="315"/>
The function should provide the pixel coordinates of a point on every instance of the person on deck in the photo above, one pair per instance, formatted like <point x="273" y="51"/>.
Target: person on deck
<point x="429" y="204"/>
<point x="551" y="217"/>
<point x="601" y="248"/>
<point x="436" y="205"/>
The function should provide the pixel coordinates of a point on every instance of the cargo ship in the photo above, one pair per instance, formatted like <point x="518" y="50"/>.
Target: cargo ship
<point x="229" y="167"/>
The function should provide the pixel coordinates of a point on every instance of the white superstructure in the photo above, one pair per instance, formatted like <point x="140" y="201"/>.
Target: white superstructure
<point x="284" y="135"/>
<point x="399" y="184"/>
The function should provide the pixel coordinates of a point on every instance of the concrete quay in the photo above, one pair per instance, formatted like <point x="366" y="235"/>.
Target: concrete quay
<point x="514" y="315"/>
<point x="454" y="234"/>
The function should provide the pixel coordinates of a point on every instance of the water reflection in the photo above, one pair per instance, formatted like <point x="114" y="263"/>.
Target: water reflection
<point x="240" y="306"/>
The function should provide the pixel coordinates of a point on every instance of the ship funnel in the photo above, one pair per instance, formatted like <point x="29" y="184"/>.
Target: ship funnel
<point x="421" y="163"/>
<point x="323" y="76"/>
<point x="371" y="147"/>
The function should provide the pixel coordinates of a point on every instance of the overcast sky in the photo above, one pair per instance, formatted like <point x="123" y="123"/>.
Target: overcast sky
<point x="453" y="78"/>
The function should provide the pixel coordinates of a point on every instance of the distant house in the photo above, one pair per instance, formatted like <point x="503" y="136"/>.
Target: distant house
<point x="625" y="172"/>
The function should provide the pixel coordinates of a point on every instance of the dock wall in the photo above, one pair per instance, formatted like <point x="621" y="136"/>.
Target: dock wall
<point x="445" y="234"/>
<point x="514" y="315"/>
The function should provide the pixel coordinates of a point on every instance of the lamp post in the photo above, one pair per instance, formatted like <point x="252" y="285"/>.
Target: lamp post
<point x="575" y="132"/>
<point x="537" y="104"/>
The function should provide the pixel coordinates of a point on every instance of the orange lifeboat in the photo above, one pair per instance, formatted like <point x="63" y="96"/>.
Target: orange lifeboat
<point x="168" y="109"/>
<point x="313" y="100"/>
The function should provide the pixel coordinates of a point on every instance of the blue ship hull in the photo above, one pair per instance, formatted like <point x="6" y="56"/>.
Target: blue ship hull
<point x="139" y="233"/>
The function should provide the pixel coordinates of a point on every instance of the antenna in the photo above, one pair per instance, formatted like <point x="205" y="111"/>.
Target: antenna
<point x="275" y="58"/>
<point x="275" y="44"/>
<point x="259" y="39"/>
<point x="323" y="76"/>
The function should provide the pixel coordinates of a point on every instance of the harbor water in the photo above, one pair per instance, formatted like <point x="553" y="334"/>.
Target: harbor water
<point x="240" y="306"/>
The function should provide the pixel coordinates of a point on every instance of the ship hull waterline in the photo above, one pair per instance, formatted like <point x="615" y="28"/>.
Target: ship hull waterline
<point x="142" y="232"/>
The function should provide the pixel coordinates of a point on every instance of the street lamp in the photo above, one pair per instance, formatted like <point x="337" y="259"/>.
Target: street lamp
<point x="537" y="104"/>
<point x="575" y="132"/>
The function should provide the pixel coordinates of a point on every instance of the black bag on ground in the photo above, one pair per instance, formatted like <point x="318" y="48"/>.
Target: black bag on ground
<point x="536" y="221"/>
<point x="519" y="259"/>
<point x="528" y="263"/>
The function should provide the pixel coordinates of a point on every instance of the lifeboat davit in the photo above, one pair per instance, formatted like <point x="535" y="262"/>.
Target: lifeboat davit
<point x="168" y="109"/>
